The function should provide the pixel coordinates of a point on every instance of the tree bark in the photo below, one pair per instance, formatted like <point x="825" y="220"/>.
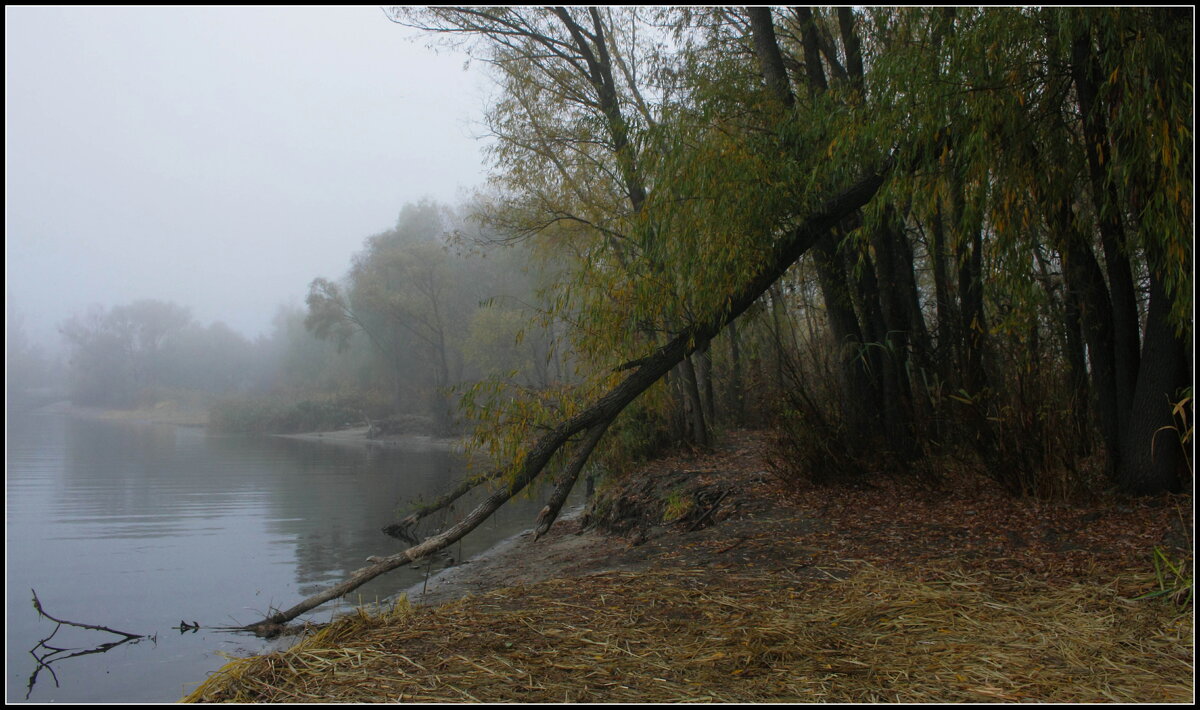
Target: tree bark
<point x="1152" y="457"/>
<point x="769" y="57"/>
<point x="734" y="401"/>
<point x="695" y="407"/>
<point x="549" y="514"/>
<point x="1085" y="285"/>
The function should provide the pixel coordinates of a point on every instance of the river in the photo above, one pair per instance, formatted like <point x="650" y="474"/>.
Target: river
<point x="138" y="527"/>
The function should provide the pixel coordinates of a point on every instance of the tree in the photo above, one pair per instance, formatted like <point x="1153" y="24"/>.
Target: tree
<point x="115" y="353"/>
<point x="404" y="292"/>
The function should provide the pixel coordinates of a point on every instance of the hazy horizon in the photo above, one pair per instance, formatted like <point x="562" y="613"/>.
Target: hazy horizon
<point x="219" y="158"/>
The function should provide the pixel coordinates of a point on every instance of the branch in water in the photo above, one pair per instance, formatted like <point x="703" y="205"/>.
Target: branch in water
<point x="38" y="605"/>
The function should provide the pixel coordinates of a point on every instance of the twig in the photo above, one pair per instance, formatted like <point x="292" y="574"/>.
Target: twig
<point x="38" y="605"/>
<point x="57" y="654"/>
<point x="707" y="513"/>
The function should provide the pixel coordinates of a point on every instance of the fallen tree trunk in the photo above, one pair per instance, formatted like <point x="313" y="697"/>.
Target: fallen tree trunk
<point x="787" y="251"/>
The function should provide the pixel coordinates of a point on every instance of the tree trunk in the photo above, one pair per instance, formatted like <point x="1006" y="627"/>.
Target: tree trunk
<point x="549" y="514"/>
<point x="947" y="314"/>
<point x="1085" y="284"/>
<point x="858" y="396"/>
<point x="695" y="407"/>
<point x="1085" y="72"/>
<point x="1152" y="459"/>
<point x="705" y="381"/>
<point x="734" y="399"/>
<point x="893" y="299"/>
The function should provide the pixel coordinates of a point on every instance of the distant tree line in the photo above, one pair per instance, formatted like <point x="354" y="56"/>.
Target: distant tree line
<point x="426" y="306"/>
<point x="439" y="303"/>
<point x="121" y="356"/>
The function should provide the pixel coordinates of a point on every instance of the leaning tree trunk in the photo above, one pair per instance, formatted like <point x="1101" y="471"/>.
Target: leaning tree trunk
<point x="646" y="372"/>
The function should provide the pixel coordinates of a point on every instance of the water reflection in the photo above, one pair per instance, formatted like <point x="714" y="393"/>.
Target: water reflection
<point x="138" y="526"/>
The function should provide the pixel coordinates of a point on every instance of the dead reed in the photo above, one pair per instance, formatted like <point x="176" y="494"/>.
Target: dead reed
<point x="690" y="636"/>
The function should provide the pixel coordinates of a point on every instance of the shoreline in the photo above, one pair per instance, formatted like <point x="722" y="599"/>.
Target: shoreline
<point x="565" y="550"/>
<point x="357" y="436"/>
<point x="173" y="413"/>
<point x="755" y="595"/>
<point x="165" y="412"/>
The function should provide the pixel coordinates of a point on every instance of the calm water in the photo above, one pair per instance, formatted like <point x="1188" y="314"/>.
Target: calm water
<point x="137" y="527"/>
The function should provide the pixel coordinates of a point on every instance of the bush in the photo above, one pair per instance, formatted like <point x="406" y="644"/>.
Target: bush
<point x="282" y="415"/>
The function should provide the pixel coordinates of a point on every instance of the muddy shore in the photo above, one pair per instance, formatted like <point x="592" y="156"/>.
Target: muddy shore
<point x="565" y="551"/>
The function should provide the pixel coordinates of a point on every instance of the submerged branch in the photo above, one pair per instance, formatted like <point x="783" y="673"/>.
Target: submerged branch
<point x="469" y="484"/>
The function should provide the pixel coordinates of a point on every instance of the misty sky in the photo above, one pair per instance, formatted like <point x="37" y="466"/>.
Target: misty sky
<point x="220" y="158"/>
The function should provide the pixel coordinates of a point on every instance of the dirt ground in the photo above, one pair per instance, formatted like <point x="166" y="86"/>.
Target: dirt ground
<point x="577" y="546"/>
<point x="731" y="513"/>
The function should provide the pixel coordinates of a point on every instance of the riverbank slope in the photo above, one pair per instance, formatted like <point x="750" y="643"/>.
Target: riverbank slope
<point x="699" y="578"/>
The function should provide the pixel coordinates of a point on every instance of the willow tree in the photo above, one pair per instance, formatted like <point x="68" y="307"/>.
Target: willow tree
<point x="591" y="101"/>
<point x="1130" y="69"/>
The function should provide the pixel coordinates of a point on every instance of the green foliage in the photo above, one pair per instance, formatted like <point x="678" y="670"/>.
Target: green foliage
<point x="677" y="505"/>
<point x="437" y="313"/>
<point x="1174" y="577"/>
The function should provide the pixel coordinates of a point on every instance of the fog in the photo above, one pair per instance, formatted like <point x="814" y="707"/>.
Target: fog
<point x="217" y="158"/>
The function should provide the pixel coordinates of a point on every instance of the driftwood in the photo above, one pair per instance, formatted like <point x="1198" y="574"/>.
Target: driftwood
<point x="789" y="248"/>
<point x="52" y="655"/>
<point x="37" y="604"/>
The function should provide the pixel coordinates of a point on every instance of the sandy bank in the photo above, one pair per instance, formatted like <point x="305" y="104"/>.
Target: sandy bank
<point x="165" y="412"/>
<point x="357" y="436"/>
<point x="565" y="551"/>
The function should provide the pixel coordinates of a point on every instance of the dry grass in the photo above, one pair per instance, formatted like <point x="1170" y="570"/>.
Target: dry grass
<point x="690" y="636"/>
